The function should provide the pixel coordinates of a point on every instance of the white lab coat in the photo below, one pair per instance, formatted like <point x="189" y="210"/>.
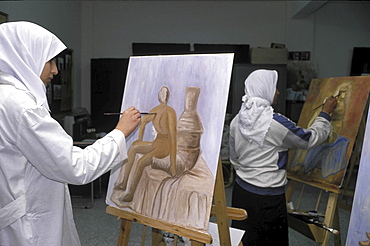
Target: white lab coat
<point x="37" y="160"/>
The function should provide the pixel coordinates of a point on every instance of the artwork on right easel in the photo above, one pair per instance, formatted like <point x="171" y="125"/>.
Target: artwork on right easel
<point x="359" y="225"/>
<point x="325" y="165"/>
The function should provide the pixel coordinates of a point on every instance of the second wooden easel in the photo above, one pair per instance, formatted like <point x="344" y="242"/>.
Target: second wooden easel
<point x="331" y="214"/>
<point x="197" y="237"/>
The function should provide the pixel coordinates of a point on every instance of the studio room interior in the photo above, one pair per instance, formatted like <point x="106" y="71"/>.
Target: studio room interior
<point x="184" y="65"/>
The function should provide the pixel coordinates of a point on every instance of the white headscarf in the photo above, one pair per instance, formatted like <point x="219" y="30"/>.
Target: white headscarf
<point x="256" y="113"/>
<point x="24" y="49"/>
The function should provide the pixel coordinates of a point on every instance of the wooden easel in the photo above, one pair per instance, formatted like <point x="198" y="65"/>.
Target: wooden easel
<point x="311" y="231"/>
<point x="331" y="213"/>
<point x="197" y="237"/>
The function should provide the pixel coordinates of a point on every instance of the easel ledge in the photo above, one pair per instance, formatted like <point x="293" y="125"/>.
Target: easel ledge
<point x="317" y="184"/>
<point x="197" y="235"/>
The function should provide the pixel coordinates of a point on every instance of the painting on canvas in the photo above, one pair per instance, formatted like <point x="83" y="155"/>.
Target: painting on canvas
<point x="325" y="165"/>
<point x="359" y="225"/>
<point x="173" y="154"/>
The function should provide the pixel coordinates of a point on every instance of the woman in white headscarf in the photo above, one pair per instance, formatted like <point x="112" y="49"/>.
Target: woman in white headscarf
<point x="259" y="143"/>
<point x="37" y="157"/>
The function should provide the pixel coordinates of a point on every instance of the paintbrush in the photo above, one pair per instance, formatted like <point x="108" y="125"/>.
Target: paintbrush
<point x="122" y="113"/>
<point x="312" y="217"/>
<point x="324" y="102"/>
<point x="320" y="224"/>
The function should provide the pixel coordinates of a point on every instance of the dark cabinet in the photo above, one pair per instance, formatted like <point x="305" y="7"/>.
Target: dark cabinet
<point x="108" y="77"/>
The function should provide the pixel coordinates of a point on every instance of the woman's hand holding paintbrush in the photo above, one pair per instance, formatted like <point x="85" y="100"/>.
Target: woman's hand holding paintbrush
<point x="330" y="104"/>
<point x="129" y="120"/>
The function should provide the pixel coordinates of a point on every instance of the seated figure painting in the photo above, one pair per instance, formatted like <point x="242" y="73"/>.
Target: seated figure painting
<point x="172" y="159"/>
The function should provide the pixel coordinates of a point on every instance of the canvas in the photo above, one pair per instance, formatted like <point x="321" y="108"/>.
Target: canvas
<point x="173" y="155"/>
<point x="325" y="165"/>
<point x="359" y="225"/>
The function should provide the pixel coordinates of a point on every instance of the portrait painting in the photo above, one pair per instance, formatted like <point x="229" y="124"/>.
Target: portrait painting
<point x="359" y="224"/>
<point x="325" y="165"/>
<point x="173" y="154"/>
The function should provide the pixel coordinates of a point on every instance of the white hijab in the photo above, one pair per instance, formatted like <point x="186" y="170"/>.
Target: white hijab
<point x="24" y="49"/>
<point x="256" y="112"/>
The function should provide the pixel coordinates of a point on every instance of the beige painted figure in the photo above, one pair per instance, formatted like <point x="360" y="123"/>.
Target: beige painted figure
<point x="336" y="121"/>
<point x="164" y="122"/>
<point x="339" y="113"/>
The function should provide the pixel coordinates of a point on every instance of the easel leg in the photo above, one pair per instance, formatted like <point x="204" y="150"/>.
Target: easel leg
<point x="124" y="233"/>
<point x="329" y="215"/>
<point x="143" y="236"/>
<point x="220" y="206"/>
<point x="337" y="239"/>
<point x="157" y="237"/>
<point x="289" y="192"/>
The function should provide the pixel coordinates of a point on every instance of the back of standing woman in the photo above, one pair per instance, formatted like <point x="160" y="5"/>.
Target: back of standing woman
<point x="259" y="142"/>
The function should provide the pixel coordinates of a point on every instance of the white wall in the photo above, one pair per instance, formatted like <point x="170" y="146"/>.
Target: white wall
<point x="117" y="24"/>
<point x="340" y="26"/>
<point x="106" y="29"/>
